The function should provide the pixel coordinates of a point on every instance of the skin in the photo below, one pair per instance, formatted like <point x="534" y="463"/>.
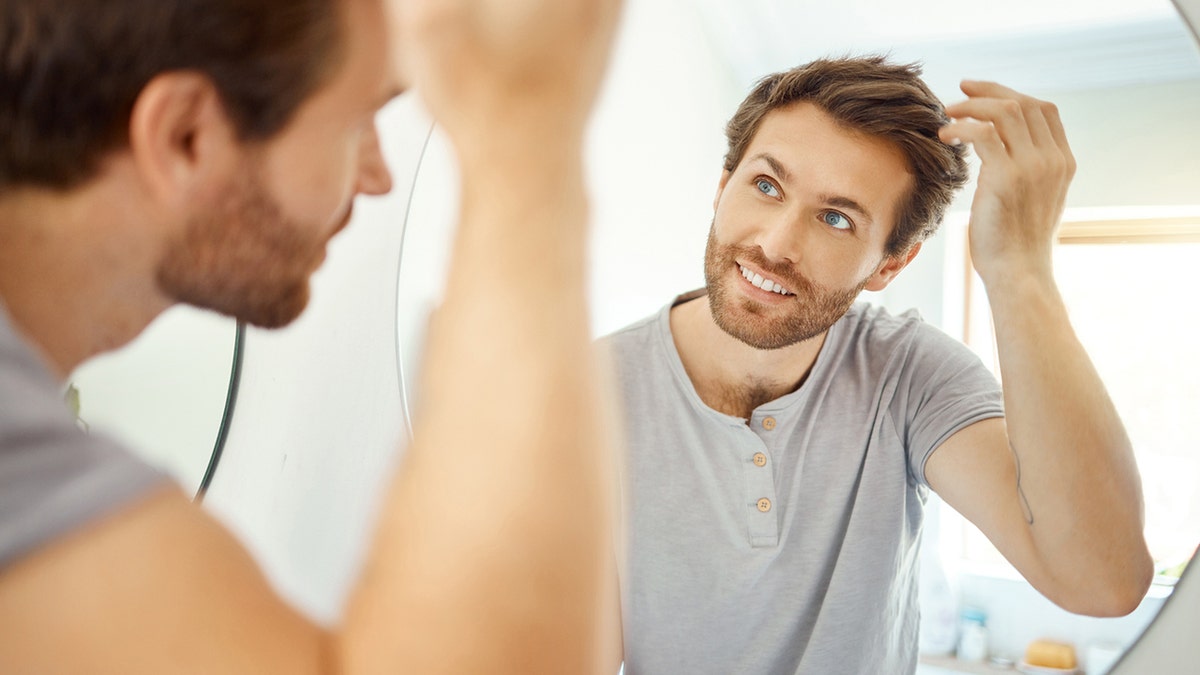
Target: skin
<point x="1070" y="517"/>
<point x="772" y="216"/>
<point x="466" y="573"/>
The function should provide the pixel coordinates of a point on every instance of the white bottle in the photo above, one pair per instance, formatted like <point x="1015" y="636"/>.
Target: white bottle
<point x="973" y="640"/>
<point x="938" y="595"/>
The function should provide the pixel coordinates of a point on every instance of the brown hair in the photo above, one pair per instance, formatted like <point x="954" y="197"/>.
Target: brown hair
<point x="71" y="71"/>
<point x="875" y="97"/>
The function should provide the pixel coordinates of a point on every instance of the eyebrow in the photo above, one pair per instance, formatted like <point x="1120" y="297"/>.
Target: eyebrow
<point x="848" y="204"/>
<point x="836" y="201"/>
<point x="778" y="168"/>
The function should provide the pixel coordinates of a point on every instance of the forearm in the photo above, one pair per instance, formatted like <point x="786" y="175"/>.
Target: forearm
<point x="1077" y="479"/>
<point x="493" y="550"/>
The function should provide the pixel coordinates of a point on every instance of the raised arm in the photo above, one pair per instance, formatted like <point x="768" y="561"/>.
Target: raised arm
<point x="1054" y="485"/>
<point x="495" y="551"/>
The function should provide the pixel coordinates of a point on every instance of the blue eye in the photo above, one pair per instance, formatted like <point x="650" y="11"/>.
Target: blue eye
<point x="836" y="220"/>
<point x="766" y="187"/>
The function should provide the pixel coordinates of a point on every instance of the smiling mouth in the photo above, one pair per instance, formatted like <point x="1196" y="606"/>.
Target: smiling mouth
<point x="761" y="282"/>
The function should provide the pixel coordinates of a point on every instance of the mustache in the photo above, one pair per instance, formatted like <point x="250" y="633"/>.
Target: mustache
<point x="783" y="273"/>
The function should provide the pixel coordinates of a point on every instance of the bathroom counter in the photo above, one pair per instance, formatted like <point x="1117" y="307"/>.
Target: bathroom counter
<point x="948" y="665"/>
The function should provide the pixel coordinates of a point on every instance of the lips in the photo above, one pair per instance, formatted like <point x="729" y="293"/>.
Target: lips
<point x="759" y="281"/>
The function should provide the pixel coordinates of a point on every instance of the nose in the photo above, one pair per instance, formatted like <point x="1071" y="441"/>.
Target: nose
<point x="374" y="177"/>
<point x="781" y="237"/>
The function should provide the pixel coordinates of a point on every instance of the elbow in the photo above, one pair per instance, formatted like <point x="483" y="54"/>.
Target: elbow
<point x="1112" y="595"/>
<point x="1117" y="601"/>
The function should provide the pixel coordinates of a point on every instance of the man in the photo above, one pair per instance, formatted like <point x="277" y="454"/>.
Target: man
<point x="783" y="439"/>
<point x="163" y="151"/>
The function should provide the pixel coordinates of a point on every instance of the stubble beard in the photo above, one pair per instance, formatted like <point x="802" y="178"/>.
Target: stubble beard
<point x="810" y="312"/>
<point x="244" y="258"/>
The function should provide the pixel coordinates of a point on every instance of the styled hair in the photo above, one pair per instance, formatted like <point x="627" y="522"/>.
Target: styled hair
<point x="71" y="71"/>
<point x="875" y="97"/>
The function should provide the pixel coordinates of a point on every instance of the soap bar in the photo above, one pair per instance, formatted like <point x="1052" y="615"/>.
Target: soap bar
<point x="1050" y="654"/>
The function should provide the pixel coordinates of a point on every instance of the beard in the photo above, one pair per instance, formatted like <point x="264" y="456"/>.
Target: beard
<point x="244" y="258"/>
<point x="807" y="314"/>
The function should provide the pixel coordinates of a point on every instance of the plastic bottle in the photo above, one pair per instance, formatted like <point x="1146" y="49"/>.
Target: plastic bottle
<point x="973" y="637"/>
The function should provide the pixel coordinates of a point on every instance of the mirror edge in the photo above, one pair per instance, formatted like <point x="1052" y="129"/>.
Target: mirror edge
<point x="406" y="407"/>
<point x="235" y="378"/>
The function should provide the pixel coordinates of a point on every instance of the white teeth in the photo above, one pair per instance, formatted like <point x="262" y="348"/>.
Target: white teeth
<point x="765" y="284"/>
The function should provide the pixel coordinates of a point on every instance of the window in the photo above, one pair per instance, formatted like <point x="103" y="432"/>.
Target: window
<point x="1130" y="289"/>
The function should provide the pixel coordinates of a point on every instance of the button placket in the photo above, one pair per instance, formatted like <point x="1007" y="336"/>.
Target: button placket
<point x="759" y="485"/>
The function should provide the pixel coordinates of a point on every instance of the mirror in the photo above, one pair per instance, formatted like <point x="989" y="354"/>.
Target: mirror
<point x="1126" y="77"/>
<point x="168" y="395"/>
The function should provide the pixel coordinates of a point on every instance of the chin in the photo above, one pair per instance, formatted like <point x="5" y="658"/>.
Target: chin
<point x="768" y="328"/>
<point x="258" y="305"/>
<point x="280" y="312"/>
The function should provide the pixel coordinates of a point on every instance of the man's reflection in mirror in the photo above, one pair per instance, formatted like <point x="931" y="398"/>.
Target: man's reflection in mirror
<point x="783" y="438"/>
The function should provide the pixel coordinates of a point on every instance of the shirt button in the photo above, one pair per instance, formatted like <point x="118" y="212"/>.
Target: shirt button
<point x="764" y="505"/>
<point x="760" y="459"/>
<point x="768" y="423"/>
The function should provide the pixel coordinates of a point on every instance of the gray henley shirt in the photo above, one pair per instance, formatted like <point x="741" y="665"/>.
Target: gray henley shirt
<point x="786" y="544"/>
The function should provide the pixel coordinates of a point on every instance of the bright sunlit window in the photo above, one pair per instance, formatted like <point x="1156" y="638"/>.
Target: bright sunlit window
<point x="1130" y="288"/>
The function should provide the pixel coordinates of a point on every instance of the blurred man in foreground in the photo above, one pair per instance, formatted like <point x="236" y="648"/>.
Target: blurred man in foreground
<point x="158" y="151"/>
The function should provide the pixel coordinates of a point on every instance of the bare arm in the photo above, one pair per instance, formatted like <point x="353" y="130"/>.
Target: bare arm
<point x="1054" y="485"/>
<point x="493" y="553"/>
<point x="497" y="538"/>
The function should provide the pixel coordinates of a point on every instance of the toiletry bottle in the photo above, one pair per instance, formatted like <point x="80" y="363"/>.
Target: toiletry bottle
<point x="973" y="638"/>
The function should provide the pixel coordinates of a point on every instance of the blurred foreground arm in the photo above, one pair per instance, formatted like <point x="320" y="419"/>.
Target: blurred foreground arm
<point x="495" y="549"/>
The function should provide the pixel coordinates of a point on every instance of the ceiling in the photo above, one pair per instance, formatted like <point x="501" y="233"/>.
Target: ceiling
<point x="1033" y="45"/>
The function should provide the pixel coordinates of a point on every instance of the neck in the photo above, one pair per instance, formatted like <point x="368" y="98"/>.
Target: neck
<point x="76" y="273"/>
<point x="729" y="375"/>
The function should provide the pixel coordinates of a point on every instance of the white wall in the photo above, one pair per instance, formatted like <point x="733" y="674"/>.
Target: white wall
<point x="163" y="395"/>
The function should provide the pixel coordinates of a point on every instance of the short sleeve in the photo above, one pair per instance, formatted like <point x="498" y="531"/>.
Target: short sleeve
<point x="53" y="477"/>
<point x="944" y="387"/>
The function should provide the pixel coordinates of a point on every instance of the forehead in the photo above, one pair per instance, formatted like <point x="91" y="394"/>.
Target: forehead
<point x="364" y="67"/>
<point x="826" y="157"/>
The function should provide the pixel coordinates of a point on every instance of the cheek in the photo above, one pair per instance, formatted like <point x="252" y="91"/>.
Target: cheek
<point x="842" y="263"/>
<point x="736" y="217"/>
<point x="314" y="182"/>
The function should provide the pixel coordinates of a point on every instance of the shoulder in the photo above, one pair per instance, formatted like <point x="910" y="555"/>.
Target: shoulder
<point x="653" y="330"/>
<point x="637" y="342"/>
<point x="634" y="352"/>
<point x="874" y="324"/>
<point x="874" y="331"/>
<point x="638" y="331"/>
<point x="876" y="339"/>
<point x="53" y="477"/>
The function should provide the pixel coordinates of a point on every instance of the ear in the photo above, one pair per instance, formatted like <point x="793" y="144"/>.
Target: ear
<point x="180" y="136"/>
<point x="725" y="174"/>
<point x="890" y="267"/>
